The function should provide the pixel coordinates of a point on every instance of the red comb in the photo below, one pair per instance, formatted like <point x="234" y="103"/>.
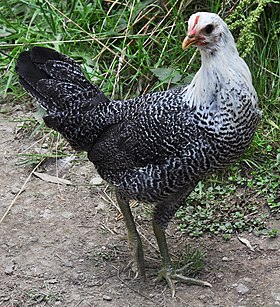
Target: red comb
<point x="195" y="21"/>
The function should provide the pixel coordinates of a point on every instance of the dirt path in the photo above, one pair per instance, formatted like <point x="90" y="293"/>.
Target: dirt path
<point x="61" y="245"/>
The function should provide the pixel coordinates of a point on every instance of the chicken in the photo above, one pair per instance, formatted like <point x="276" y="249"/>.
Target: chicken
<point x="154" y="148"/>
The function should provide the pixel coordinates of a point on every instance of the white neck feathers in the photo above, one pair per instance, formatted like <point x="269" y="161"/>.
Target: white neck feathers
<point x="221" y="70"/>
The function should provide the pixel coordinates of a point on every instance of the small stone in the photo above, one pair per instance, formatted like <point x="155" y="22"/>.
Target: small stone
<point x="247" y="279"/>
<point x="68" y="264"/>
<point x="9" y="270"/>
<point x="242" y="289"/>
<point x="15" y="189"/>
<point x="52" y="281"/>
<point x="67" y="215"/>
<point x="202" y="297"/>
<point x="34" y="239"/>
<point x="225" y="259"/>
<point x="96" y="181"/>
<point x="220" y="275"/>
<point x="107" y="298"/>
<point x="276" y="295"/>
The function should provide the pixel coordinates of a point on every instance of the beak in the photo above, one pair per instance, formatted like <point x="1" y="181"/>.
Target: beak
<point x="189" y="40"/>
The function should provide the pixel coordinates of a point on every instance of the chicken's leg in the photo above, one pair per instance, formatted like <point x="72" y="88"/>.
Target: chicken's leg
<point x="133" y="236"/>
<point x="168" y="272"/>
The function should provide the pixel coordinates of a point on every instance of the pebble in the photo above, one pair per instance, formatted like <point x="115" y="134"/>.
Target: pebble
<point x="96" y="181"/>
<point x="276" y="295"/>
<point x="68" y="264"/>
<point x="52" y="281"/>
<point x="67" y="215"/>
<point x="242" y="289"/>
<point x="34" y="239"/>
<point x="15" y="190"/>
<point x="9" y="270"/>
<point x="220" y="275"/>
<point x="107" y="298"/>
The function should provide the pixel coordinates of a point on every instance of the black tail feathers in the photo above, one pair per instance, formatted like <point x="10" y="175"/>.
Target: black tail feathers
<point x="55" y="80"/>
<point x="60" y="87"/>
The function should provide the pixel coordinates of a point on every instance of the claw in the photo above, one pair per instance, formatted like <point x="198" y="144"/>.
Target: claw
<point x="190" y="281"/>
<point x="167" y="272"/>
<point x="171" y="278"/>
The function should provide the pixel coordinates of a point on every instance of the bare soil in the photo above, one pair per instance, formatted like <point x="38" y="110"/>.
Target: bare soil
<point x="62" y="245"/>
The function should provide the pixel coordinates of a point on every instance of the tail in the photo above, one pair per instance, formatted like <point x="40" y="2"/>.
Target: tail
<point x="60" y="87"/>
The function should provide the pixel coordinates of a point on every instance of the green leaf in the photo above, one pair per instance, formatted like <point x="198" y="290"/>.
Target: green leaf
<point x="167" y="74"/>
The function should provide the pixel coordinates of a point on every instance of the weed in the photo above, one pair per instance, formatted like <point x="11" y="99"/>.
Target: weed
<point x="190" y="261"/>
<point x="101" y="255"/>
<point x="46" y="296"/>
<point x="273" y="233"/>
<point x="226" y="205"/>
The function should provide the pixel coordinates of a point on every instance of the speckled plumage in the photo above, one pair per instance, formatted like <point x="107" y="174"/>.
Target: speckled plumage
<point x="155" y="147"/>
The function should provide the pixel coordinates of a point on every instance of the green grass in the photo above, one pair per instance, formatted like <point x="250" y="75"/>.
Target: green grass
<point x="190" y="261"/>
<point x="132" y="47"/>
<point x="42" y="296"/>
<point x="233" y="202"/>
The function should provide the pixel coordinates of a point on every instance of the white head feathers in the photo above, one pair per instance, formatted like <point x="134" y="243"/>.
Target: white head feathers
<point x="221" y="65"/>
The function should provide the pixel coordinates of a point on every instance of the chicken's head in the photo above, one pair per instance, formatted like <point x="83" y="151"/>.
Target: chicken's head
<point x="207" y="31"/>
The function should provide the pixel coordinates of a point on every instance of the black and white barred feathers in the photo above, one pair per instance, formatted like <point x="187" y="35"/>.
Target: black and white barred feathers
<point x="158" y="145"/>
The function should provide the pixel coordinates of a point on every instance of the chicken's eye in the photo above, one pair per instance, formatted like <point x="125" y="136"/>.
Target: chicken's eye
<point x="209" y="29"/>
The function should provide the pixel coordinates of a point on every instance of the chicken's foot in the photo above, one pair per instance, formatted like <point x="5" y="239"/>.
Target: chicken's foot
<point x="167" y="272"/>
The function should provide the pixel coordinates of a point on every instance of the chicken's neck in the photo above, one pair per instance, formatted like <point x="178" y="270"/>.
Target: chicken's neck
<point x="220" y="73"/>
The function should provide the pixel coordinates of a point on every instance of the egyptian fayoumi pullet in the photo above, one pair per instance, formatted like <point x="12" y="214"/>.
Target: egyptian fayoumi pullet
<point x="156" y="147"/>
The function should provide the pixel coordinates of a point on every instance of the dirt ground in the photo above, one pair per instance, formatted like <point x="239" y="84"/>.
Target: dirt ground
<point x="61" y="245"/>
